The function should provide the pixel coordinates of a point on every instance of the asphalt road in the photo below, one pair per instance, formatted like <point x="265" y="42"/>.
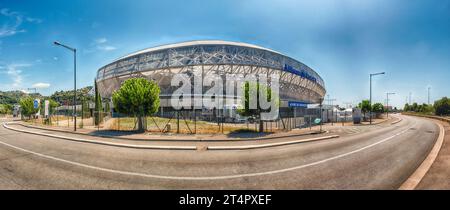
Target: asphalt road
<point x="382" y="157"/>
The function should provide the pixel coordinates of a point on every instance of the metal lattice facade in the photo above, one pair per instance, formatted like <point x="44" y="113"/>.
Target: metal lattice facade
<point x="220" y="57"/>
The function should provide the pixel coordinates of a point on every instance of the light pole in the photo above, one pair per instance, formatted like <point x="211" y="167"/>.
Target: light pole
<point x="429" y="88"/>
<point x="74" y="81"/>
<point x="410" y="98"/>
<point x="35" y="90"/>
<point x="321" y="120"/>
<point x="370" y="100"/>
<point x="330" y="103"/>
<point x="387" y="104"/>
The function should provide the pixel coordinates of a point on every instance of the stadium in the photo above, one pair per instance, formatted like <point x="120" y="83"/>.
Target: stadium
<point x="299" y="84"/>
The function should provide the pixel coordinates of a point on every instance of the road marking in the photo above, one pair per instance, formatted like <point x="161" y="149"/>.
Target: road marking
<point x="259" y="146"/>
<point x="211" y="177"/>
<point x="133" y="146"/>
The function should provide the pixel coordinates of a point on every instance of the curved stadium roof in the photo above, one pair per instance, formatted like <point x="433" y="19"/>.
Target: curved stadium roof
<point x="272" y="58"/>
<point x="197" y="42"/>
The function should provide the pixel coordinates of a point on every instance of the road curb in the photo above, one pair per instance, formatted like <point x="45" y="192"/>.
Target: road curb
<point x="247" y="147"/>
<point x="173" y="140"/>
<point x="397" y="121"/>
<point x="412" y="182"/>
<point x="373" y="123"/>
<point x="104" y="143"/>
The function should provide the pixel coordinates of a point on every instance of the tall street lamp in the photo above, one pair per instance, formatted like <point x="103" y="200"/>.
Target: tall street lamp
<point x="321" y="114"/>
<point x="74" y="81"/>
<point x="35" y="90"/>
<point x="370" y="100"/>
<point x="387" y="104"/>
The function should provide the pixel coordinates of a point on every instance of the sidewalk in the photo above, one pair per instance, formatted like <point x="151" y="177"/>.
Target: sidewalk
<point x="438" y="176"/>
<point x="170" y="145"/>
<point x="128" y="135"/>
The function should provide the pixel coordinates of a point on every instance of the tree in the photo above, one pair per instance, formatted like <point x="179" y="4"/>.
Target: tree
<point x="442" y="106"/>
<point x="139" y="97"/>
<point x="414" y="107"/>
<point x="365" y="107"/>
<point x="6" y="108"/>
<point x="13" y="97"/>
<point x="84" y="108"/>
<point x="427" y="109"/>
<point x="98" y="105"/>
<point x="248" y="91"/>
<point x="63" y="96"/>
<point x="52" y="104"/>
<point x="378" y="108"/>
<point x="27" y="107"/>
<point x="107" y="106"/>
<point x="406" y="108"/>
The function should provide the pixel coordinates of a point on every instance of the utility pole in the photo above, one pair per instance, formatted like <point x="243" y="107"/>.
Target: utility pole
<point x="74" y="50"/>
<point x="321" y="120"/>
<point x="35" y="90"/>
<point x="387" y="104"/>
<point x="429" y="88"/>
<point x="410" y="98"/>
<point x="370" y="100"/>
<point x="330" y="103"/>
<point x="348" y="105"/>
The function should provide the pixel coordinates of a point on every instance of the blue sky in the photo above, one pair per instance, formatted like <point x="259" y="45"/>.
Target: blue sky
<point x="342" y="40"/>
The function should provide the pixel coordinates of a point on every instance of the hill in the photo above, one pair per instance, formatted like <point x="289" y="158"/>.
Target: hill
<point x="64" y="97"/>
<point x="13" y="97"/>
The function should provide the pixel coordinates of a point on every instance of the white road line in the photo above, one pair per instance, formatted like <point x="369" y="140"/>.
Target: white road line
<point x="259" y="146"/>
<point x="133" y="146"/>
<point x="211" y="177"/>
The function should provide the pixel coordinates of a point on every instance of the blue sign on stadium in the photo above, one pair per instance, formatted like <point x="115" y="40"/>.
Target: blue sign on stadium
<point x="36" y="104"/>
<point x="301" y="73"/>
<point x="297" y="104"/>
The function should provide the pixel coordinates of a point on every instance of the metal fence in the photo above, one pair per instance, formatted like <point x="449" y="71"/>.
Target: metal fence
<point x="183" y="121"/>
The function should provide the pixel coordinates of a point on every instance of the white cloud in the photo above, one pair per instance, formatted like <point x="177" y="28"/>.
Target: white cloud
<point x="101" y="40"/>
<point x="106" y="48"/>
<point x="101" y="44"/>
<point x="34" y="20"/>
<point x="14" y="71"/>
<point x="41" y="85"/>
<point x="25" y="91"/>
<point x="14" y="20"/>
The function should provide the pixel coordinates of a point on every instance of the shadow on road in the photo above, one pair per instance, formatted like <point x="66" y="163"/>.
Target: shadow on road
<point x="113" y="133"/>
<point x="247" y="134"/>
